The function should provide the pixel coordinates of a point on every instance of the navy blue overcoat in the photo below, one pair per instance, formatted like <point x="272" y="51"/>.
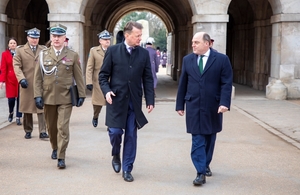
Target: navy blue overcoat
<point x="200" y="95"/>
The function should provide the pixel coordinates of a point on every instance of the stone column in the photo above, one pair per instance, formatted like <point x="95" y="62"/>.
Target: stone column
<point x="215" y="26"/>
<point x="285" y="58"/>
<point x="75" y="31"/>
<point x="182" y="38"/>
<point x="3" y="21"/>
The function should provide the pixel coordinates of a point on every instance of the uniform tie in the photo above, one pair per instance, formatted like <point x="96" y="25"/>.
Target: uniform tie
<point x="57" y="53"/>
<point x="33" y="50"/>
<point x="201" y="64"/>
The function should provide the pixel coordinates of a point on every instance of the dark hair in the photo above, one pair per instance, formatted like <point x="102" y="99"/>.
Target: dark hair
<point x="158" y="48"/>
<point x="120" y="37"/>
<point x="206" y="37"/>
<point x="11" y="38"/>
<point x="129" y="26"/>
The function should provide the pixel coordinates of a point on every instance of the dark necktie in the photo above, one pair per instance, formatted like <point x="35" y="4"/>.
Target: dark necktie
<point x="130" y="49"/>
<point x="201" y="64"/>
<point x="33" y="50"/>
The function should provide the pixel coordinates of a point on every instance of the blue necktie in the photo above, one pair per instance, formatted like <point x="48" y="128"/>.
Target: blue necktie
<point x="201" y="64"/>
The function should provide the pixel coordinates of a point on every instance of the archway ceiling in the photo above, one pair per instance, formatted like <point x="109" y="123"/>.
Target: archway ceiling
<point x="247" y="11"/>
<point x="105" y="13"/>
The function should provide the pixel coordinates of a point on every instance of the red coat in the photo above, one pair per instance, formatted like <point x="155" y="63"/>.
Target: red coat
<point x="8" y="75"/>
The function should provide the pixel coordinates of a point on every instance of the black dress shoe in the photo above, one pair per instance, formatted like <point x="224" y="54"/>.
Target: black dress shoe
<point x="54" y="154"/>
<point x="116" y="163"/>
<point x="208" y="172"/>
<point x="18" y="121"/>
<point x="44" y="135"/>
<point x="95" y="122"/>
<point x="10" y="117"/>
<point x="27" y="135"/>
<point x="200" y="179"/>
<point x="61" y="163"/>
<point x="127" y="176"/>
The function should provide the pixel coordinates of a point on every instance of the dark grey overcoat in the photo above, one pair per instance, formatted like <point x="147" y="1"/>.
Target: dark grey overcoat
<point x="127" y="75"/>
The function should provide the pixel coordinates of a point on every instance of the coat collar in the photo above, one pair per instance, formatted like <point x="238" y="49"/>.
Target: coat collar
<point x="210" y="60"/>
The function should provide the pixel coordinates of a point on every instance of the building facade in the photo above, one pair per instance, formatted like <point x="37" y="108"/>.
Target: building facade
<point x="259" y="36"/>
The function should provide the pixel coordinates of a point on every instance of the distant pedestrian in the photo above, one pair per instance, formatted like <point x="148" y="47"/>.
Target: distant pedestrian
<point x="154" y="61"/>
<point x="9" y="80"/>
<point x="204" y="91"/>
<point x="164" y="58"/>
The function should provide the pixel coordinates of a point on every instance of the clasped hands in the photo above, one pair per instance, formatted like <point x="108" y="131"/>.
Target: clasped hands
<point x="109" y="100"/>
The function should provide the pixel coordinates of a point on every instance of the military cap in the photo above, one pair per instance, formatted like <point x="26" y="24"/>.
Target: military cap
<point x="58" y="29"/>
<point x="104" y="35"/>
<point x="33" y="33"/>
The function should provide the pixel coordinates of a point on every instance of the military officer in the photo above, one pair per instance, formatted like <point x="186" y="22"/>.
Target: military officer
<point x="59" y="66"/>
<point x="93" y="67"/>
<point x="24" y="62"/>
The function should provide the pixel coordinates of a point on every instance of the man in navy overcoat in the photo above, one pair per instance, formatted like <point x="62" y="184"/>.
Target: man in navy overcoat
<point x="204" y="91"/>
<point x="125" y="73"/>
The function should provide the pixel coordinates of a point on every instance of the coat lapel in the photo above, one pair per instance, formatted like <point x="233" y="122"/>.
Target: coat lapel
<point x="52" y="54"/>
<point x="63" y="54"/>
<point x="195" y="65"/>
<point x="100" y="51"/>
<point x="210" y="61"/>
<point x="28" y="50"/>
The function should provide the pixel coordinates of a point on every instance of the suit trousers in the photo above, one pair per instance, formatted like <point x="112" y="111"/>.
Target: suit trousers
<point x="130" y="140"/>
<point x="97" y="110"/>
<point x="58" y="120"/>
<point x="202" y="151"/>
<point x="28" y="122"/>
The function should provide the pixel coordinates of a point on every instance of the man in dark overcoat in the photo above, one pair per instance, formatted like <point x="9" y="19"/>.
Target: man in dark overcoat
<point x="125" y="73"/>
<point x="204" y="91"/>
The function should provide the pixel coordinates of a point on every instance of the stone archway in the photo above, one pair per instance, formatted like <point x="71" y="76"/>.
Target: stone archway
<point x="176" y="17"/>
<point x="249" y="38"/>
<point x="23" y="15"/>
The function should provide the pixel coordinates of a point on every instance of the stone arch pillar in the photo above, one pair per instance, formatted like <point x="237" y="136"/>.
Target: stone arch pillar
<point x="3" y="21"/>
<point x="215" y="26"/>
<point x="75" y="32"/>
<point x="285" y="50"/>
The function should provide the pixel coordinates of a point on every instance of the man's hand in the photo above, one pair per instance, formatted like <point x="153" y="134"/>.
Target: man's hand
<point x="180" y="112"/>
<point x="222" y="109"/>
<point x="39" y="103"/>
<point x="80" y="102"/>
<point x="24" y="83"/>
<point x="150" y="108"/>
<point x="108" y="97"/>
<point x="89" y="87"/>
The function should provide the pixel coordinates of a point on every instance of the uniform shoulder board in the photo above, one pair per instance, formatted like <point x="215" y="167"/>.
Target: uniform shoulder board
<point x="19" y="46"/>
<point x="93" y="48"/>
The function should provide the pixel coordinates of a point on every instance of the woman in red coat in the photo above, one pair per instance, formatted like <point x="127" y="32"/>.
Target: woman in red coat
<point x="9" y="80"/>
